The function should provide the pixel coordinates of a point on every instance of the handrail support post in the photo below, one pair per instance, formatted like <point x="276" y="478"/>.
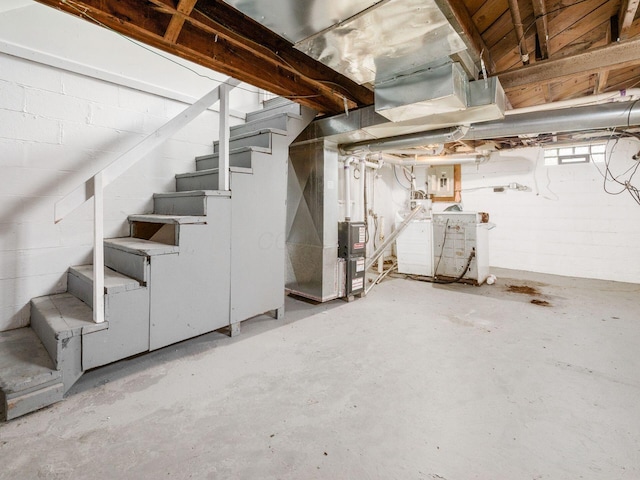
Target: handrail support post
<point x="98" y="248"/>
<point x="223" y="139"/>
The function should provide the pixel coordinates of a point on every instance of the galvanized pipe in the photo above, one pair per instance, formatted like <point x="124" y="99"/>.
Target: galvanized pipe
<point x="592" y="117"/>
<point x="445" y="135"/>
<point x="380" y="250"/>
<point x="429" y="161"/>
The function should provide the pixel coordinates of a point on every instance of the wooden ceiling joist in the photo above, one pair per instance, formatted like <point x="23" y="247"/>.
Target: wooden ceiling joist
<point x="457" y="14"/>
<point x="177" y="20"/>
<point x="192" y="31"/>
<point x="542" y="28"/>
<point x="616" y="55"/>
<point x="628" y="10"/>
<point x="514" y="8"/>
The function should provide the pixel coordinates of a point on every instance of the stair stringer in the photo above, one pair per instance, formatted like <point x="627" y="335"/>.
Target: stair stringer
<point x="258" y="220"/>
<point x="189" y="292"/>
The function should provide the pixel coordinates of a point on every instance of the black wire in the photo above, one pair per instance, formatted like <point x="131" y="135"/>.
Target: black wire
<point x="446" y="282"/>
<point x="444" y="240"/>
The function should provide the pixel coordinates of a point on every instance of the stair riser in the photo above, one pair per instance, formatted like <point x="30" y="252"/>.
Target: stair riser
<point x="180" y="206"/>
<point x="262" y="139"/>
<point x="200" y="182"/>
<point x="65" y="352"/>
<point x="80" y="288"/>
<point x="134" y="266"/>
<point x="279" y="122"/>
<point x="241" y="159"/>
<point x="14" y="406"/>
<point x="267" y="112"/>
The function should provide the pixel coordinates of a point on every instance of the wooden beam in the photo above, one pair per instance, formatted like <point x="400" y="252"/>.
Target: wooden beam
<point x="540" y="13"/>
<point x="514" y="8"/>
<point x="616" y="55"/>
<point x="628" y="9"/>
<point x="457" y="14"/>
<point x="602" y="77"/>
<point x="223" y="17"/>
<point x="177" y="21"/>
<point x="222" y="50"/>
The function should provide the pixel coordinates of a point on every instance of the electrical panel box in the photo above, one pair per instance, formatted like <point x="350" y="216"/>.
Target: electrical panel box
<point x="351" y="239"/>
<point x="440" y="181"/>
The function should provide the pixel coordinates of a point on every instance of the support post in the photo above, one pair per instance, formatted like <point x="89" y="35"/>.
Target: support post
<point x="98" y="248"/>
<point x="223" y="139"/>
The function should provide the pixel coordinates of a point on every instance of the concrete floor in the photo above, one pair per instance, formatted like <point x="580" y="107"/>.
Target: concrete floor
<point x="416" y="381"/>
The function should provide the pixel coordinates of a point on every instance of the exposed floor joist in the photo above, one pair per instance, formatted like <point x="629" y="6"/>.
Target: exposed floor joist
<point x="540" y="12"/>
<point x="628" y="10"/>
<point x="203" y="32"/>
<point x="617" y="55"/>
<point x="456" y="12"/>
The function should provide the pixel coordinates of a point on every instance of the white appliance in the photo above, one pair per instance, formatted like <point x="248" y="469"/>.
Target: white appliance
<point x="414" y="248"/>
<point x="456" y="236"/>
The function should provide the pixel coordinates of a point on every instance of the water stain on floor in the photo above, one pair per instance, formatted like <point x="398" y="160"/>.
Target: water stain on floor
<point x="527" y="290"/>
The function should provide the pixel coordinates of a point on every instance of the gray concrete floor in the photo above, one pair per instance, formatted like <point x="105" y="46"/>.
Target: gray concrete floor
<point x="416" y="381"/>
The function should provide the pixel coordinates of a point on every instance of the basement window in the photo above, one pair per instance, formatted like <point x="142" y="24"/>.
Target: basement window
<point x="571" y="154"/>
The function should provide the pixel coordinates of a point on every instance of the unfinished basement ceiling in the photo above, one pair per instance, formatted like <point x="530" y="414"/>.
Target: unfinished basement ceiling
<point x="541" y="50"/>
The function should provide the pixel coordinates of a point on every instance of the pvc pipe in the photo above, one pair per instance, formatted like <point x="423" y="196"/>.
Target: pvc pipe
<point x="363" y="178"/>
<point x="347" y="189"/>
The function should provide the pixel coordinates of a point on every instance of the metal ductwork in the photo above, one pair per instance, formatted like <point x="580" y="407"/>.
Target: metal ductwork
<point x="591" y="117"/>
<point x="407" y="141"/>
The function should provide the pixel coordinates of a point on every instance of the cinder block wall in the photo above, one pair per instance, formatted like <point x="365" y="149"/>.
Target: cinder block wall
<point x="565" y="225"/>
<point x="56" y="130"/>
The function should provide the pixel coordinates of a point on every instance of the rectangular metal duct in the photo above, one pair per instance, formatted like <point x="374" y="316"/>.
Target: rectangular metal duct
<point x="429" y="91"/>
<point x="393" y="36"/>
<point x="312" y="221"/>
<point x="296" y="20"/>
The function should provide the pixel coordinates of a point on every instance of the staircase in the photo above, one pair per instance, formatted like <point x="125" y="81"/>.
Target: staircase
<point x="204" y="260"/>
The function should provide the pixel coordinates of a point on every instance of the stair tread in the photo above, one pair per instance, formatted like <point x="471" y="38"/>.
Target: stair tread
<point x="194" y="193"/>
<point x="114" y="282"/>
<point x="67" y="315"/>
<point x="235" y="150"/>
<point x="139" y="246"/>
<point x="24" y="362"/>
<point x="173" y="219"/>
<point x="211" y="171"/>
<point x="257" y="132"/>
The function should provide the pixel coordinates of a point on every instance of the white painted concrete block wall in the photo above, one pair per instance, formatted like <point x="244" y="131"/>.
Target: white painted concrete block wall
<point x="566" y="225"/>
<point x="56" y="130"/>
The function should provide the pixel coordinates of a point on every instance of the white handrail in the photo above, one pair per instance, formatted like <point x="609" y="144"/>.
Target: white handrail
<point x="94" y="187"/>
